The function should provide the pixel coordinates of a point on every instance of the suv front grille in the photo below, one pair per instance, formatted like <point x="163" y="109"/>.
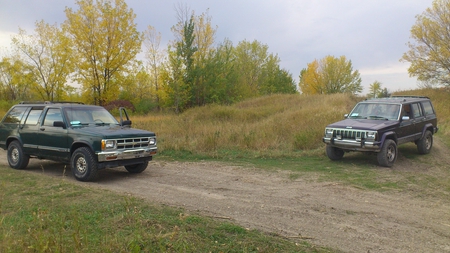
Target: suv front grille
<point x="349" y="134"/>
<point x="131" y="143"/>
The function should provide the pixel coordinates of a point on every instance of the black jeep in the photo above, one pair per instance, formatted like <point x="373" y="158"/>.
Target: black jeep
<point x="380" y="125"/>
<point x="87" y="137"/>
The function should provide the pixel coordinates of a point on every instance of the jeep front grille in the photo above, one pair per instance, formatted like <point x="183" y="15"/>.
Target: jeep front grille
<point x="132" y="143"/>
<point x="349" y="134"/>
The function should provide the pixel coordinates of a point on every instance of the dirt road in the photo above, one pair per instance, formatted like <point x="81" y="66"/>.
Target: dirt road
<point x="324" y="213"/>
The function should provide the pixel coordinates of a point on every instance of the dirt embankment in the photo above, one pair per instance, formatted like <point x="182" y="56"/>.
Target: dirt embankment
<point x="326" y="213"/>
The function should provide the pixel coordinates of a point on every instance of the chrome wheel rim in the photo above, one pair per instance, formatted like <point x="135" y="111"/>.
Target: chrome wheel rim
<point x="15" y="155"/>
<point x="81" y="165"/>
<point x="391" y="153"/>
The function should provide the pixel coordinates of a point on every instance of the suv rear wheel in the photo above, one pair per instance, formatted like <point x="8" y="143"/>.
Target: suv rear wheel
<point x="388" y="154"/>
<point x="425" y="143"/>
<point x="16" y="158"/>
<point x="137" y="168"/>
<point x="83" y="163"/>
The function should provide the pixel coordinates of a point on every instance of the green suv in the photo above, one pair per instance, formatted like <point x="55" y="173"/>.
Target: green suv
<point x="87" y="137"/>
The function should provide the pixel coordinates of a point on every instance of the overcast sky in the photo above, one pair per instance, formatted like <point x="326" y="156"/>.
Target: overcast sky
<point x="372" y="34"/>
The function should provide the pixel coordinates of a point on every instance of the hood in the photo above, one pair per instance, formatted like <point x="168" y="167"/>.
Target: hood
<point x="113" y="131"/>
<point x="363" y="124"/>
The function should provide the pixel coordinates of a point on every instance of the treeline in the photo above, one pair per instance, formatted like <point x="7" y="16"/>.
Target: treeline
<point x="92" y="57"/>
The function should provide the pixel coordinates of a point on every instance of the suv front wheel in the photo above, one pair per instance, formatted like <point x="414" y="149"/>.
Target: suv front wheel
<point x="136" y="168"/>
<point x="16" y="158"/>
<point x="83" y="163"/>
<point x="334" y="153"/>
<point x="388" y="154"/>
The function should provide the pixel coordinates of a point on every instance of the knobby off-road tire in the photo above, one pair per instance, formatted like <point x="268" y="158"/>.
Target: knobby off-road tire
<point x="136" y="168"/>
<point x="16" y="158"/>
<point x="334" y="153"/>
<point x="425" y="143"/>
<point x="84" y="165"/>
<point x="388" y="154"/>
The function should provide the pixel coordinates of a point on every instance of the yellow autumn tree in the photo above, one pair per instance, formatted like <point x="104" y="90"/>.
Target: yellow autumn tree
<point x="330" y="75"/>
<point x="47" y="52"/>
<point x="106" y="42"/>
<point x="429" y="52"/>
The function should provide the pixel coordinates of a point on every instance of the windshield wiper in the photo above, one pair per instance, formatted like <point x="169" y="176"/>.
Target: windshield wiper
<point x="376" y="117"/>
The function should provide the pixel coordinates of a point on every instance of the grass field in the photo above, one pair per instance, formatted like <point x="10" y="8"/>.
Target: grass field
<point x="40" y="214"/>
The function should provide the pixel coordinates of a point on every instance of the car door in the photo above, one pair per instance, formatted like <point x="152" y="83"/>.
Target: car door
<point x="406" y="131"/>
<point x="419" y="119"/>
<point x="29" y="130"/>
<point x="53" y="139"/>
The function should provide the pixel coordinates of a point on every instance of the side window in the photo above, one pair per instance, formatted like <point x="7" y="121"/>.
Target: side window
<point x="406" y="110"/>
<point x="417" y="110"/>
<point x="53" y="114"/>
<point x="427" y="108"/>
<point x="15" y="115"/>
<point x="33" y="116"/>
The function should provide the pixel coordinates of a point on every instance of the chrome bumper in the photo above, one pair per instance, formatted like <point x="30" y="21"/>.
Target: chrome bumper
<point x="353" y="145"/>
<point x="114" y="155"/>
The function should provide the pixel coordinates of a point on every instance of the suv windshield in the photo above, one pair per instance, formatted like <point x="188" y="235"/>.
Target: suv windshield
<point x="91" y="115"/>
<point x="375" y="111"/>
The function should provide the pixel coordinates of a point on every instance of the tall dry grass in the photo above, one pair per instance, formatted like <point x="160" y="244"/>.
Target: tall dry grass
<point x="274" y="125"/>
<point x="441" y="102"/>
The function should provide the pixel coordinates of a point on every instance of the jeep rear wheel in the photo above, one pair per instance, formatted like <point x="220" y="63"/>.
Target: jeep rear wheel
<point x="84" y="165"/>
<point x="425" y="143"/>
<point x="137" y="168"/>
<point x="16" y="158"/>
<point x="388" y="154"/>
<point x="334" y="153"/>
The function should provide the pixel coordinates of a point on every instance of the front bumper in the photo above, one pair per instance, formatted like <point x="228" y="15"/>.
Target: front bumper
<point x="353" y="145"/>
<point x="114" y="155"/>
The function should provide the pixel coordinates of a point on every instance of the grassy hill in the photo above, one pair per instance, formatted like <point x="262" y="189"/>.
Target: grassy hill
<point x="270" y="126"/>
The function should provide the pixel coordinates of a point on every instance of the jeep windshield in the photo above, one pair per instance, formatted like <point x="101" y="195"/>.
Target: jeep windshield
<point x="376" y="111"/>
<point x="84" y="116"/>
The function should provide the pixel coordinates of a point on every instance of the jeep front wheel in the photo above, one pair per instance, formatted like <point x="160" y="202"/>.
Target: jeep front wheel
<point x="16" y="158"/>
<point x="388" y="154"/>
<point x="84" y="165"/>
<point x="334" y="153"/>
<point x="425" y="143"/>
<point x="137" y="168"/>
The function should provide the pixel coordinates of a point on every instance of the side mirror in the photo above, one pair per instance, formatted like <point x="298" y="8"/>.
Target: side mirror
<point x="59" y="124"/>
<point x="126" y="123"/>
<point x="345" y="115"/>
<point x="405" y="118"/>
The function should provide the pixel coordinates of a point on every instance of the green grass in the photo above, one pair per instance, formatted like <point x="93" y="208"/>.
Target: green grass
<point x="44" y="214"/>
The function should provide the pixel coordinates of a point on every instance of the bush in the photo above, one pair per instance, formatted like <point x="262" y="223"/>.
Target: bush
<point x="116" y="104"/>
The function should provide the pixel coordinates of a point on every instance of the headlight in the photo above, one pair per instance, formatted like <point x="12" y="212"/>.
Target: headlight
<point x="328" y="132"/>
<point x="108" y="144"/>
<point x="371" y="135"/>
<point x="152" y="141"/>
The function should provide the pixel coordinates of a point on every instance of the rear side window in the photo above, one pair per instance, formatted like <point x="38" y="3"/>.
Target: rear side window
<point x="427" y="108"/>
<point x="417" y="110"/>
<point x="33" y="116"/>
<point x="15" y="115"/>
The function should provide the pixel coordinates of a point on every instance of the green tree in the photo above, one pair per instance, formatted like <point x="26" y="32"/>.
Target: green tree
<point x="429" y="52"/>
<point x="106" y="42"/>
<point x="375" y="89"/>
<point x="330" y="75"/>
<point x="48" y="52"/>
<point x="220" y="75"/>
